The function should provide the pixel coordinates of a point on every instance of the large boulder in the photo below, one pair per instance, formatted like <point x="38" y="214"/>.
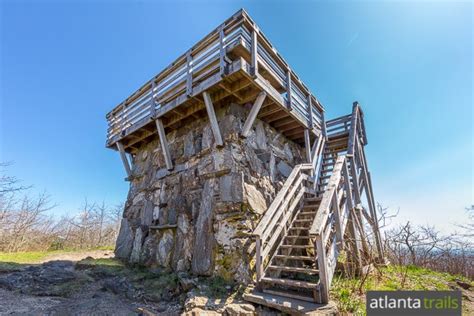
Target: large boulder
<point x="165" y="248"/>
<point x="203" y="260"/>
<point x="124" y="243"/>
<point x="137" y="246"/>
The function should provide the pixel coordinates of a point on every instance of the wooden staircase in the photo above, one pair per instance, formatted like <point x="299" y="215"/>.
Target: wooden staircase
<point x="317" y="213"/>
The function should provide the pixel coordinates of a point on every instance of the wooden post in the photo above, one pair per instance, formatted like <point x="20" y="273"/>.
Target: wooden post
<point x="357" y="261"/>
<point x="355" y="180"/>
<point x="353" y="131"/>
<point x="254" y="54"/>
<point x="253" y="114"/>
<point x="307" y="144"/>
<point x="258" y="261"/>
<point x="323" y="125"/>
<point x="212" y="118"/>
<point x="337" y="217"/>
<point x="125" y="160"/>
<point x="347" y="184"/>
<point x="322" y="266"/>
<point x="371" y="202"/>
<point x="360" y="226"/>
<point x="288" y="89"/>
<point x="378" y="238"/>
<point x="164" y="144"/>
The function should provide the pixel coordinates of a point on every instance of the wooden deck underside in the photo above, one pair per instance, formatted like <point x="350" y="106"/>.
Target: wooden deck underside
<point x="233" y="64"/>
<point x="238" y="86"/>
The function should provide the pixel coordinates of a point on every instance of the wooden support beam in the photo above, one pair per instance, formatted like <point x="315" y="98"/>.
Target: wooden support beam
<point x="355" y="180"/>
<point x="355" y="243"/>
<point x="164" y="144"/>
<point x="212" y="118"/>
<point x="283" y="122"/>
<point x="295" y="131"/>
<point x="360" y="227"/>
<point x="307" y="145"/>
<point x="125" y="161"/>
<point x="253" y="114"/>
<point x="275" y="109"/>
<point x="277" y="116"/>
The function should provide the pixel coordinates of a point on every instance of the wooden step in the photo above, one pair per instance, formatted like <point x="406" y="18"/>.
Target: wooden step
<point x="308" y="213"/>
<point x="297" y="237"/>
<point x="301" y="227"/>
<point x="294" y="269"/>
<point x="290" y="294"/>
<point x="290" y="282"/>
<point x="303" y="220"/>
<point x="294" y="257"/>
<point x="313" y="199"/>
<point x="288" y="303"/>
<point x="296" y="246"/>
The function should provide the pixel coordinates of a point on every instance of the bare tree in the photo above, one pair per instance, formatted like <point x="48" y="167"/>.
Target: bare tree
<point x="26" y="223"/>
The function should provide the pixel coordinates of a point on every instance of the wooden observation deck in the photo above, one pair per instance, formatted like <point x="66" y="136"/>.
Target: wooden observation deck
<point x="234" y="63"/>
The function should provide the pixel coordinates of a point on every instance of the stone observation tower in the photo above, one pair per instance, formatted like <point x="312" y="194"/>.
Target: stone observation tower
<point x="234" y="171"/>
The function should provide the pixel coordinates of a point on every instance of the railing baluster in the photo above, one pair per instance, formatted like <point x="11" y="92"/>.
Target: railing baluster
<point x="152" y="99"/>
<point x="221" y="51"/>
<point x="254" y="53"/>
<point x="189" y="74"/>
<point x="310" y="111"/>
<point x="288" y="89"/>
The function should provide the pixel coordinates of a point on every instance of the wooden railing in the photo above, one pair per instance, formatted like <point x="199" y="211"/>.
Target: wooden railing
<point x="360" y="173"/>
<point x="349" y="179"/>
<point x="279" y="216"/>
<point x="330" y="222"/>
<point x="188" y="74"/>
<point x="277" y="219"/>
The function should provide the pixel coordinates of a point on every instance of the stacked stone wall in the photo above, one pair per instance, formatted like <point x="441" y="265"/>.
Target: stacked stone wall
<point x="207" y="206"/>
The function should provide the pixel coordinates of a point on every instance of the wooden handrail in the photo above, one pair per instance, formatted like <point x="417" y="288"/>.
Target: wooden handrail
<point x="322" y="215"/>
<point x="324" y="223"/>
<point x="279" y="213"/>
<point x="276" y="202"/>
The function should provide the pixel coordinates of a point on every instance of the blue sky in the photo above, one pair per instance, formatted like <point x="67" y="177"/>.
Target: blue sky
<point x="65" y="65"/>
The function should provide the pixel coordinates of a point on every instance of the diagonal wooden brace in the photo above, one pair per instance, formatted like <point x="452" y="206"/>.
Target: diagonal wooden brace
<point x="212" y="118"/>
<point x="164" y="143"/>
<point x="253" y="114"/>
<point x="125" y="161"/>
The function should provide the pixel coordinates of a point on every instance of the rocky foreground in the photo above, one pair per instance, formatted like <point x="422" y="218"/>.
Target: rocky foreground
<point x="105" y="287"/>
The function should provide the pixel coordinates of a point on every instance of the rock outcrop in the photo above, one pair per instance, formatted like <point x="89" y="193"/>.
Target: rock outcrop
<point x="198" y="217"/>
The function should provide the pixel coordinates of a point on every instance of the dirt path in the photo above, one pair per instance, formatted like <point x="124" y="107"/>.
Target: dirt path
<point x="64" y="286"/>
<point x="78" y="256"/>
